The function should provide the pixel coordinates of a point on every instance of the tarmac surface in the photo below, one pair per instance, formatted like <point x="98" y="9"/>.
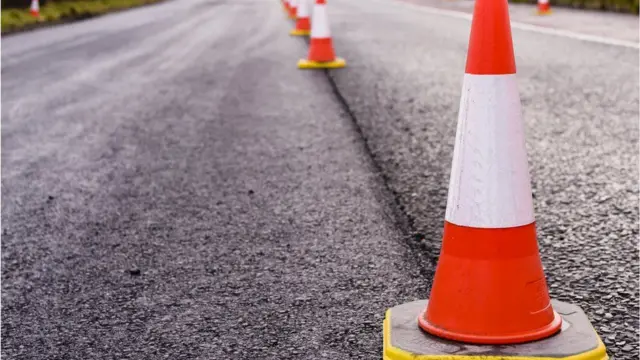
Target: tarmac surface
<point x="173" y="187"/>
<point x="581" y="114"/>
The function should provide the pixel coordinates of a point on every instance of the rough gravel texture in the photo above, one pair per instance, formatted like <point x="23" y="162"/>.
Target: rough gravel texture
<point x="581" y="112"/>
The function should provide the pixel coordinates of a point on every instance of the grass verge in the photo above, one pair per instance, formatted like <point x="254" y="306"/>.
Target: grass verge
<point x="14" y="20"/>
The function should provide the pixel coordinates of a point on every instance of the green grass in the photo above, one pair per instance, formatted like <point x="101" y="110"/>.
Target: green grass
<point x="16" y="19"/>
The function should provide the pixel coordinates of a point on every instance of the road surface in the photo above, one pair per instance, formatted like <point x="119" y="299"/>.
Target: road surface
<point x="173" y="187"/>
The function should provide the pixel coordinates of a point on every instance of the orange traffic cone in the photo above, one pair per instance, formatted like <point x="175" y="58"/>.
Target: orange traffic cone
<point x="303" y="25"/>
<point x="321" y="54"/>
<point x="293" y="8"/>
<point x="543" y="7"/>
<point x="35" y="8"/>
<point x="489" y="287"/>
<point x="285" y="4"/>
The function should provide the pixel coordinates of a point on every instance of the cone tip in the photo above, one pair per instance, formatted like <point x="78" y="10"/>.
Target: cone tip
<point x="490" y="45"/>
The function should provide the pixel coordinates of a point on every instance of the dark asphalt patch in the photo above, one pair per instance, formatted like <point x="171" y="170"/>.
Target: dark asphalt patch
<point x="223" y="207"/>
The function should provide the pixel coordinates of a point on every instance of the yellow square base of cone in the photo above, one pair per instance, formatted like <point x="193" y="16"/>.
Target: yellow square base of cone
<point x="403" y="339"/>
<point x="335" y="64"/>
<point x="296" y="32"/>
<point x="542" y="13"/>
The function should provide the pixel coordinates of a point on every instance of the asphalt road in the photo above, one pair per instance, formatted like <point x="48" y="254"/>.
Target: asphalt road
<point x="173" y="187"/>
<point x="580" y="105"/>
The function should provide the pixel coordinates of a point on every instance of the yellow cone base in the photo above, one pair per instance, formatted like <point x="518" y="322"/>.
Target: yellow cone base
<point x="405" y="340"/>
<point x="296" y="32"/>
<point x="335" y="64"/>
<point x="543" y="13"/>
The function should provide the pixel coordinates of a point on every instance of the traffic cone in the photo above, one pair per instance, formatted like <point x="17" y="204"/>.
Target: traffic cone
<point x="293" y="8"/>
<point x="544" y="8"/>
<point x="303" y="25"/>
<point x="285" y="4"/>
<point x="489" y="287"/>
<point x="321" y="54"/>
<point x="35" y="8"/>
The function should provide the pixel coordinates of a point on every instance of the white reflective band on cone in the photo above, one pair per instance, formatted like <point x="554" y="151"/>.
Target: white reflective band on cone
<point x="303" y="9"/>
<point x="319" y="26"/>
<point x="490" y="184"/>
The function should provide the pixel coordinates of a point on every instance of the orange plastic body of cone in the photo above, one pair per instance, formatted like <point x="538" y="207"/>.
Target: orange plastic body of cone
<point x="303" y="24"/>
<point x="293" y="11"/>
<point x="544" y="8"/>
<point x="321" y="50"/>
<point x="490" y="46"/>
<point x="490" y="288"/>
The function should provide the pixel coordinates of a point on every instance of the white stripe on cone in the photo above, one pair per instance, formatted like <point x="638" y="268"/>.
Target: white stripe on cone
<point x="294" y="4"/>
<point x="35" y="5"/>
<point x="303" y="9"/>
<point x="319" y="23"/>
<point x="490" y="184"/>
<point x="543" y="1"/>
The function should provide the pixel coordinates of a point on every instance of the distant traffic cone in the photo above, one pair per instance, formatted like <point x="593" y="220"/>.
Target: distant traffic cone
<point x="303" y="24"/>
<point x="285" y="4"/>
<point x="35" y="8"/>
<point x="543" y="7"/>
<point x="321" y="54"/>
<point x="489" y="287"/>
<point x="293" y="8"/>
